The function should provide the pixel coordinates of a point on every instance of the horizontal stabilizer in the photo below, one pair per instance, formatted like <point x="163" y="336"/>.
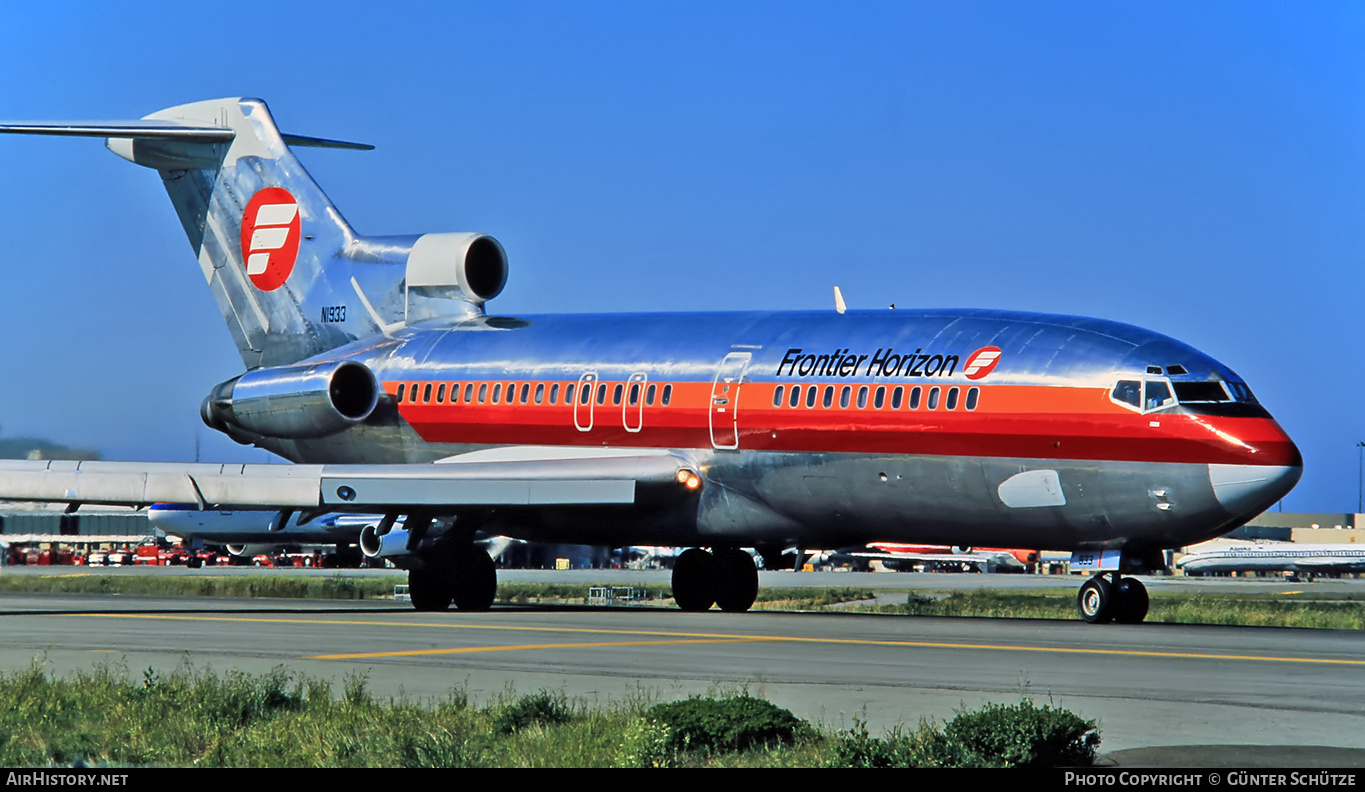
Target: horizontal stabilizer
<point x="159" y="130"/>
<point x="316" y="142"/>
<point x="143" y="130"/>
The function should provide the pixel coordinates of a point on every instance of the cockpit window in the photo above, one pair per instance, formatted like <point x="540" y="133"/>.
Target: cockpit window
<point x="1200" y="392"/>
<point x="1145" y="394"/>
<point x="1156" y="396"/>
<point x="1129" y="392"/>
<point x="1241" y="392"/>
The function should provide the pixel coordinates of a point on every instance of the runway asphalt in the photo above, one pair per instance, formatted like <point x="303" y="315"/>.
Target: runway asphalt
<point x="1155" y="689"/>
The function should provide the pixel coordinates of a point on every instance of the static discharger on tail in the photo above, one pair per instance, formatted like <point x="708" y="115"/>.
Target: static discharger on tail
<point x="373" y="364"/>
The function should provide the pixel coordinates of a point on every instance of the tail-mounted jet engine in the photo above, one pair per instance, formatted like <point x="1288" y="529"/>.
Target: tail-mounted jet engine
<point x="293" y="402"/>
<point x="470" y="267"/>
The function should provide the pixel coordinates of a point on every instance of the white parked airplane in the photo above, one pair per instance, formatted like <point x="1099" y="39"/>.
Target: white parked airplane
<point x="1310" y="559"/>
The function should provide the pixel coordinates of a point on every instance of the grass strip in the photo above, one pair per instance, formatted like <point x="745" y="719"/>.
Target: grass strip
<point x="335" y="587"/>
<point x="1306" y="610"/>
<point x="1232" y="609"/>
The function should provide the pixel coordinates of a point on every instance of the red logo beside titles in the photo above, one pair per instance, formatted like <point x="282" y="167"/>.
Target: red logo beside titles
<point x="981" y="362"/>
<point x="270" y="237"/>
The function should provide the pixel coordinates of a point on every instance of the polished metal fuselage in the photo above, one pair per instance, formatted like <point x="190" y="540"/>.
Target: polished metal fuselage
<point x="833" y="476"/>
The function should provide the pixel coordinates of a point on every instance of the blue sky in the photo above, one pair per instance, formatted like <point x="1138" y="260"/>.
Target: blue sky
<point x="1194" y="168"/>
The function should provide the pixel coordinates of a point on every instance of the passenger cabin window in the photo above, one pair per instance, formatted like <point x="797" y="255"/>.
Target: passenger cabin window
<point x="844" y="396"/>
<point x="777" y="396"/>
<point x="795" y="399"/>
<point x="952" y="399"/>
<point x="402" y="386"/>
<point x="973" y="395"/>
<point x="649" y="395"/>
<point x="914" y="398"/>
<point x="880" y="398"/>
<point x="829" y="396"/>
<point x="862" y="398"/>
<point x="602" y="393"/>
<point x="483" y="391"/>
<point x="634" y="394"/>
<point x="426" y="394"/>
<point x="616" y="394"/>
<point x="668" y="395"/>
<point x="540" y="392"/>
<point x="810" y="396"/>
<point x="554" y="393"/>
<point x="441" y="394"/>
<point x="525" y="392"/>
<point x="497" y="393"/>
<point x="896" y="396"/>
<point x="933" y="398"/>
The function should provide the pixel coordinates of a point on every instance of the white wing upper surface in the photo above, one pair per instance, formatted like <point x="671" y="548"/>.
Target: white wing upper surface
<point x="529" y="479"/>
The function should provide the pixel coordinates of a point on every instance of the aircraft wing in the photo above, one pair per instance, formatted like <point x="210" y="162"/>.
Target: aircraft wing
<point x="605" y="477"/>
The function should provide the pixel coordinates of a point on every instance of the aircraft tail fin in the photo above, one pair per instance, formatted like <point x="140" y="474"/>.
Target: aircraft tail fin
<point x="283" y="264"/>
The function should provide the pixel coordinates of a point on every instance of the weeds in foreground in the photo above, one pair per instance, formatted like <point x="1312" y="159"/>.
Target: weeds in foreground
<point x="196" y="718"/>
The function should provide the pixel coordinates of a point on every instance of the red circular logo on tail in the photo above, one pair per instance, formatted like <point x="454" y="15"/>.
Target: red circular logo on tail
<point x="981" y="362"/>
<point x="270" y="237"/>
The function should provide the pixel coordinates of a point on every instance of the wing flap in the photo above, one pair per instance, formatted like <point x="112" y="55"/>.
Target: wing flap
<point x="607" y="479"/>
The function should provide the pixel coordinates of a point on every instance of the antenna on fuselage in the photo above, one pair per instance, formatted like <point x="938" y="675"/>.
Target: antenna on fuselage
<point x="839" y="305"/>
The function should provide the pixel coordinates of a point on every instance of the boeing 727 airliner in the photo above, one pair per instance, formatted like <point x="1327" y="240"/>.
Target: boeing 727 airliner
<point x="372" y="364"/>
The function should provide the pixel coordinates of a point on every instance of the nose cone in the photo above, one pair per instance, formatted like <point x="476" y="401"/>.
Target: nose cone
<point x="1247" y="490"/>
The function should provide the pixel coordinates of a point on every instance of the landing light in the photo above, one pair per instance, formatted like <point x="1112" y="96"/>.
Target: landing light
<point x="689" y="479"/>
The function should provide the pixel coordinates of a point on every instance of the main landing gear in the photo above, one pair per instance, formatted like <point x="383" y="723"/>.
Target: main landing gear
<point x="1124" y="600"/>
<point x="468" y="579"/>
<point x="726" y="576"/>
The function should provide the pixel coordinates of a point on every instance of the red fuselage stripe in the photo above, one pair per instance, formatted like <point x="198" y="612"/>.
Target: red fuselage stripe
<point x="1033" y="422"/>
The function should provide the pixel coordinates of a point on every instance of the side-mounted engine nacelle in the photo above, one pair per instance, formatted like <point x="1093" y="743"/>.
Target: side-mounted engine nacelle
<point x="293" y="402"/>
<point x="472" y="267"/>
